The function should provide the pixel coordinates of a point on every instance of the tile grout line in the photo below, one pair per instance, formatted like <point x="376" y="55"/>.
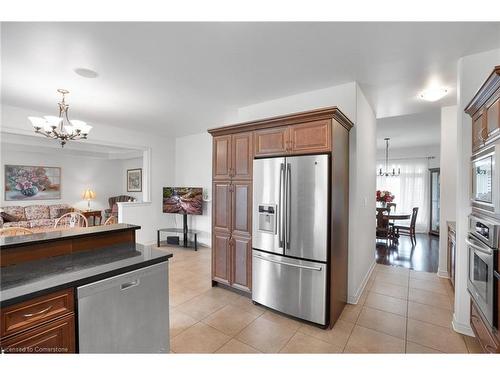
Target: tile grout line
<point x="407" y="312"/>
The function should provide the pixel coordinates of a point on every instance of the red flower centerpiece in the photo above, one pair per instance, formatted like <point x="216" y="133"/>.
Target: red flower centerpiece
<point x="384" y="196"/>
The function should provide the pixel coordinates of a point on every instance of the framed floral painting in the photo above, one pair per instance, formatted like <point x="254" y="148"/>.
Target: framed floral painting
<point x="24" y="182"/>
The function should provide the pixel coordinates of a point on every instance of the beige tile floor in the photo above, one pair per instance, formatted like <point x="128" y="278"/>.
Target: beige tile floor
<point x="401" y="311"/>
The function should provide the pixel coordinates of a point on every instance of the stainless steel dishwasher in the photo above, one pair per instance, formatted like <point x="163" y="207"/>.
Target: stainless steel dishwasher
<point x="127" y="313"/>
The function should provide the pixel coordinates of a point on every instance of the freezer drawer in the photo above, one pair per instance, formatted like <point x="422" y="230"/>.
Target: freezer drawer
<point x="294" y="287"/>
<point x="125" y="314"/>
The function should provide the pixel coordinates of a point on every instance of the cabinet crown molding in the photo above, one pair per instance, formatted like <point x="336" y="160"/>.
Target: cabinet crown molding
<point x="284" y="120"/>
<point x="488" y="88"/>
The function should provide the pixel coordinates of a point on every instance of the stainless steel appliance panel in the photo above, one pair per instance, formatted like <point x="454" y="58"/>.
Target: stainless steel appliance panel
<point x="485" y="229"/>
<point x="125" y="314"/>
<point x="292" y="286"/>
<point x="307" y="207"/>
<point x="481" y="276"/>
<point x="268" y="185"/>
<point x="486" y="180"/>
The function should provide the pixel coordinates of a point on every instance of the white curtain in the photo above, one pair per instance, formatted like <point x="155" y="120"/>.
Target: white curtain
<point x="411" y="189"/>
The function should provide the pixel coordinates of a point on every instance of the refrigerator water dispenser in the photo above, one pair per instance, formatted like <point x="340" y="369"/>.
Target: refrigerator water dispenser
<point x="267" y="218"/>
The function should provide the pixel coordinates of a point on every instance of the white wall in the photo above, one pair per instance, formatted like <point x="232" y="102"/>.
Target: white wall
<point x="412" y="153"/>
<point x="193" y="167"/>
<point x="77" y="174"/>
<point x="351" y="101"/>
<point x="362" y="187"/>
<point x="448" y="194"/>
<point x="159" y="164"/>
<point x="472" y="72"/>
<point x="130" y="164"/>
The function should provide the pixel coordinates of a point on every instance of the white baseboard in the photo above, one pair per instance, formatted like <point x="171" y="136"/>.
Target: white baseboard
<point x="464" y="329"/>
<point x="443" y="273"/>
<point x="354" y="299"/>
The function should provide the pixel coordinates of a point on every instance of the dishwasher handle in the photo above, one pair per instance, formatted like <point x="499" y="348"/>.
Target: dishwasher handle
<point x="130" y="284"/>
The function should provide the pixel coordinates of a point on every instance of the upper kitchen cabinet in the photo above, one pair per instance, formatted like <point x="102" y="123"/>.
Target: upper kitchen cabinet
<point x="221" y="157"/>
<point x="484" y="109"/>
<point x="311" y="137"/>
<point x="305" y="138"/>
<point x="232" y="157"/>
<point x="270" y="142"/>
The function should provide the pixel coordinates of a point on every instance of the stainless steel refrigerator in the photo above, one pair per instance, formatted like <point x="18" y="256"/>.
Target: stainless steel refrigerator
<point x="290" y="235"/>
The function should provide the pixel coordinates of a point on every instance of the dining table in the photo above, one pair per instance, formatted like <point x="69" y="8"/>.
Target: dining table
<point x="393" y="217"/>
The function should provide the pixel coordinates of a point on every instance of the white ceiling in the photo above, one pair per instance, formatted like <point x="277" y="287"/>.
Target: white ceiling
<point x="182" y="78"/>
<point x="416" y="130"/>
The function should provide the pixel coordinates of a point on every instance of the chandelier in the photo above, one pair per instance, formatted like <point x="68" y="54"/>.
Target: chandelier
<point x="60" y="127"/>
<point x="387" y="173"/>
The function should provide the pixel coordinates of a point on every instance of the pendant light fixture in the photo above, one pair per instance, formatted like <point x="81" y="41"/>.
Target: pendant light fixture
<point x="388" y="173"/>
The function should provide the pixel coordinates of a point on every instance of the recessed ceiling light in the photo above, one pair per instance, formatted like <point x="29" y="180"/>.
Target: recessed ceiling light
<point x="87" y="73"/>
<point x="433" y="94"/>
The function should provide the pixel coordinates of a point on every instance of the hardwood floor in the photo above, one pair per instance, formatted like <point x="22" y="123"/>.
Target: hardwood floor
<point x="424" y="256"/>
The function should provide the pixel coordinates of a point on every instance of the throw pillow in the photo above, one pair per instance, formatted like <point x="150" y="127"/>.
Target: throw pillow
<point x="7" y="218"/>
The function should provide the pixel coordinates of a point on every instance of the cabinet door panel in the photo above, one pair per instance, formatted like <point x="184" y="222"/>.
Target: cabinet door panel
<point x="221" y="157"/>
<point x="221" y="257"/>
<point x="271" y="141"/>
<point x="242" y="208"/>
<point x="242" y="156"/>
<point x="221" y="193"/>
<point x="54" y="337"/>
<point x="493" y="117"/>
<point x="311" y="137"/>
<point x="241" y="263"/>
<point x="478" y="131"/>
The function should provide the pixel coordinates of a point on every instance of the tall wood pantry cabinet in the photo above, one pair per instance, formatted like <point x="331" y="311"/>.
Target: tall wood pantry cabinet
<point x="321" y="131"/>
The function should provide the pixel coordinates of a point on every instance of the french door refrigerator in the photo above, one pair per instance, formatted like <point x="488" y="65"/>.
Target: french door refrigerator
<point x="290" y="235"/>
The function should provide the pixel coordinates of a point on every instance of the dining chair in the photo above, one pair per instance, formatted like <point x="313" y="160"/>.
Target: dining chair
<point x="111" y="220"/>
<point x="72" y="220"/>
<point x="383" y="231"/>
<point x="15" y="231"/>
<point x="409" y="230"/>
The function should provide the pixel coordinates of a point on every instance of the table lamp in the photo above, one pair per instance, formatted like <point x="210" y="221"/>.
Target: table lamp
<point x="88" y="195"/>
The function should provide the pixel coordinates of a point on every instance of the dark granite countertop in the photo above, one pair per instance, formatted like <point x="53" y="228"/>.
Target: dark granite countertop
<point x="28" y="280"/>
<point x="36" y="238"/>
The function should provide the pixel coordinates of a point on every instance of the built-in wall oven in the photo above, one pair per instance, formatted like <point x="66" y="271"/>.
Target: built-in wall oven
<point x="486" y="180"/>
<point x="482" y="245"/>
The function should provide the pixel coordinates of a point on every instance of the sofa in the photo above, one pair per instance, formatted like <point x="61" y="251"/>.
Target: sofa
<point x="36" y="216"/>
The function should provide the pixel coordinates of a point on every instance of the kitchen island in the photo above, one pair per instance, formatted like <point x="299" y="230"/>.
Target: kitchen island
<point x="52" y="287"/>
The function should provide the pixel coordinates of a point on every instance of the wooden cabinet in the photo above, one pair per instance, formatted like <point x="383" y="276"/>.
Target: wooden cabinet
<point x="493" y="117"/>
<point x="311" y="137"/>
<point x="305" y="138"/>
<point x="44" y="324"/>
<point x="231" y="243"/>
<point x="56" y="337"/>
<point x="488" y="341"/>
<point x="222" y="202"/>
<point x="270" y="142"/>
<point x="221" y="257"/>
<point x="484" y="108"/>
<point x="233" y="157"/>
<point x="241" y="263"/>
<point x="451" y="253"/>
<point x="232" y="209"/>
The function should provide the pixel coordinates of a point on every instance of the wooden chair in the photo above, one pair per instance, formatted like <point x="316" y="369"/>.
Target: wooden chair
<point x="383" y="230"/>
<point x="15" y="231"/>
<point x="111" y="220"/>
<point x="408" y="230"/>
<point x="72" y="220"/>
<point x="390" y="206"/>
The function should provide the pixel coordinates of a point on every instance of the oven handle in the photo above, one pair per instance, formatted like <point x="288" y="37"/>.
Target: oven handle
<point x="497" y="275"/>
<point x="483" y="249"/>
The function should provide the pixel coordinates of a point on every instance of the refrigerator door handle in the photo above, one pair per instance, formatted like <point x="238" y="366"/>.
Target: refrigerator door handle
<point x="288" y="264"/>
<point x="281" y="200"/>
<point x="288" y="194"/>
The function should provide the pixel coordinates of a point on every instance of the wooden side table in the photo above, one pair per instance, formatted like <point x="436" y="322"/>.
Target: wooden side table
<point x="94" y="215"/>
